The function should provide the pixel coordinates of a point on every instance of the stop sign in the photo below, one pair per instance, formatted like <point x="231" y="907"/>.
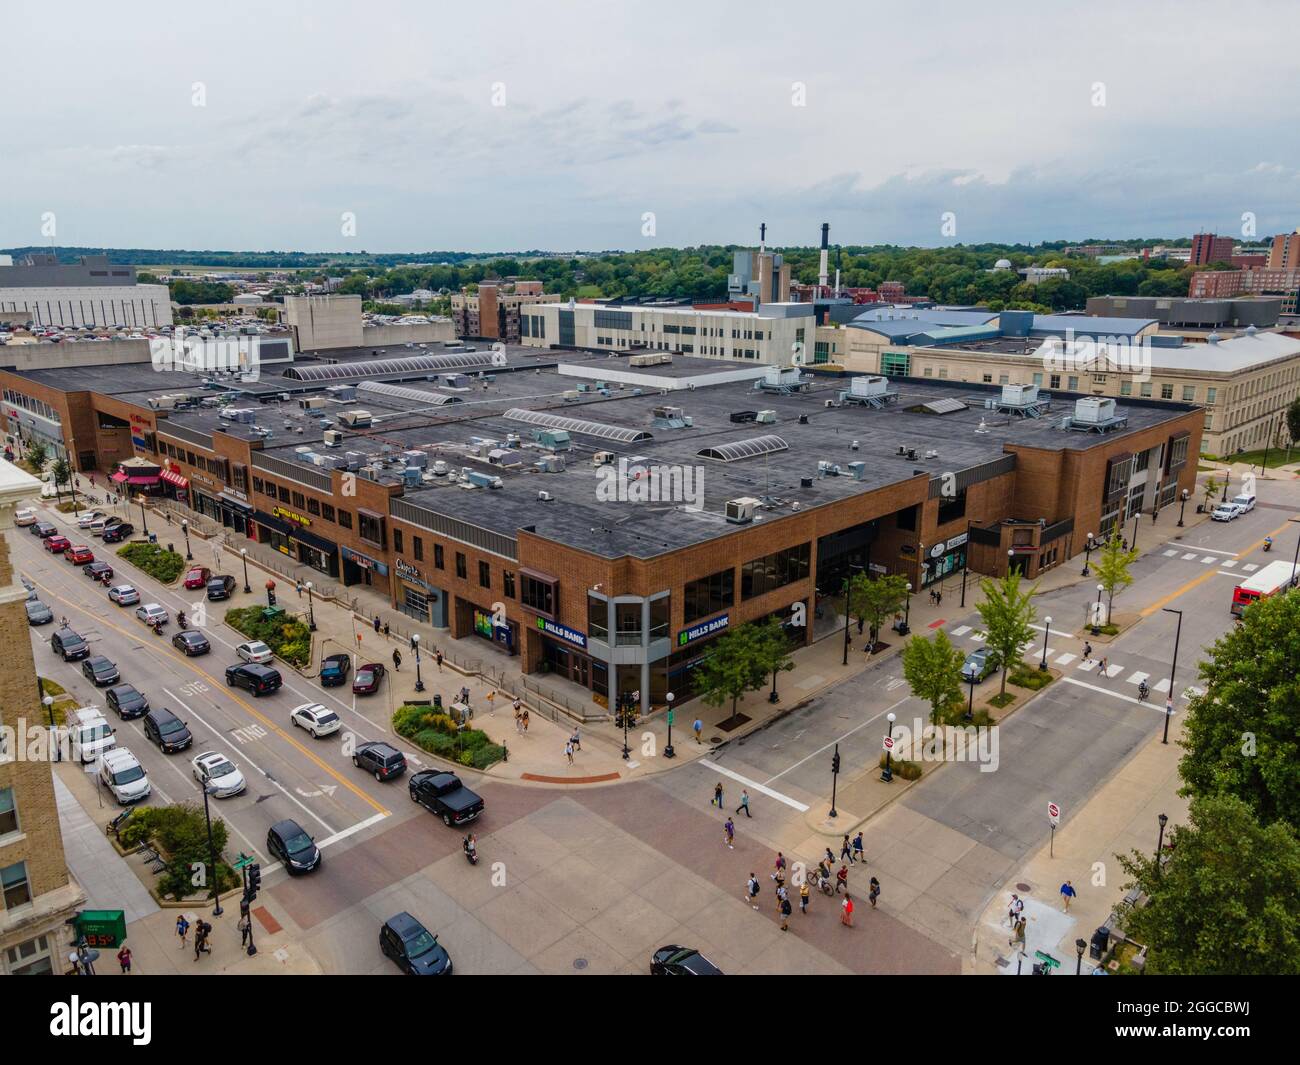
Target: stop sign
<point x="889" y="743"/>
<point x="1054" y="812"/>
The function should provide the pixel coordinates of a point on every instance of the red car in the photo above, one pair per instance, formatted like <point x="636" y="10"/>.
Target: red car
<point x="80" y="554"/>
<point x="367" y="678"/>
<point x="197" y="577"/>
<point x="55" y="544"/>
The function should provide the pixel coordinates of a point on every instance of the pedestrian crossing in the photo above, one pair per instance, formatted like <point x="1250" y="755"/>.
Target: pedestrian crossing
<point x="1208" y="560"/>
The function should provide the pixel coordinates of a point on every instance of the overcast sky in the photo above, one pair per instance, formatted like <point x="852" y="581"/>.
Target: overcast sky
<point x="515" y="125"/>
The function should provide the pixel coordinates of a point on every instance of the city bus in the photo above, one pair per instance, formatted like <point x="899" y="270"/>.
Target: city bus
<point x="1261" y="584"/>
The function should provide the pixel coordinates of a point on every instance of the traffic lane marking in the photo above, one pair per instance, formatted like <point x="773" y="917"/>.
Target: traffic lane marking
<point x="233" y="694"/>
<point x="1145" y="703"/>
<point x="762" y="789"/>
<point x="826" y="747"/>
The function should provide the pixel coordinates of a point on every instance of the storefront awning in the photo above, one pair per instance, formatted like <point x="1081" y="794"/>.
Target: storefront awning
<point x="295" y="533"/>
<point x="238" y="504"/>
<point x="122" y="478"/>
<point x="172" y="477"/>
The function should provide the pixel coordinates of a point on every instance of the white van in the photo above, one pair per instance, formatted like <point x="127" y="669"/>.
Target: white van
<point x="1245" y="502"/>
<point x="89" y="734"/>
<point x="123" y="775"/>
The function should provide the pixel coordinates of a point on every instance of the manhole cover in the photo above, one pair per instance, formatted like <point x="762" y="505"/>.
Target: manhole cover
<point x="579" y="963"/>
<point x="1023" y="887"/>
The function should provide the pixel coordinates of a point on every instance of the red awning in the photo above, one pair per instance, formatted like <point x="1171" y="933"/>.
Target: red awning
<point x="172" y="477"/>
<point x="119" y="477"/>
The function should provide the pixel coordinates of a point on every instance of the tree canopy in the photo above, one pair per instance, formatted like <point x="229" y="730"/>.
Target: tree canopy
<point x="1007" y="613"/>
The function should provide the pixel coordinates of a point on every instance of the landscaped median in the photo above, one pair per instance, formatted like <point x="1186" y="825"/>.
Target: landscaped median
<point x="157" y="561"/>
<point x="438" y="734"/>
<point x="287" y="637"/>
<point x="178" y="835"/>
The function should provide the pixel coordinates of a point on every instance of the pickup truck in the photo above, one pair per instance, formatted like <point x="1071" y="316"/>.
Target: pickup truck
<point x="443" y="794"/>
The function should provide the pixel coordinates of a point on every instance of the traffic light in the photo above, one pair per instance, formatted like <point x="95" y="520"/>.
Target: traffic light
<point x="835" y="763"/>
<point x="254" y="881"/>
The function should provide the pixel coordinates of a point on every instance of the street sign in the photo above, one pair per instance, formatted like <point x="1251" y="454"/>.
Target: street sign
<point x="241" y="861"/>
<point x="1047" y="960"/>
<point x="1054" y="812"/>
<point x="101" y="928"/>
<point x="888" y="744"/>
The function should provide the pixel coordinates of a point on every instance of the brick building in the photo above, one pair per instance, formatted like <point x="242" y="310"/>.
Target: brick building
<point x="492" y="313"/>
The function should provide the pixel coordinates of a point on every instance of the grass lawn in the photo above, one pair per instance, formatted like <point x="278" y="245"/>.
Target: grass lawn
<point x="1276" y="457"/>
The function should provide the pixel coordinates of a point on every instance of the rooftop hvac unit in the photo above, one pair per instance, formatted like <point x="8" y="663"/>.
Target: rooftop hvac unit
<point x="411" y="477"/>
<point x="355" y="419"/>
<point x="332" y="438"/>
<point x="417" y="460"/>
<point x="1019" y="395"/>
<point x="858" y="470"/>
<point x="828" y="469"/>
<point x="312" y="402"/>
<point x="545" y="497"/>
<point x="354" y="459"/>
<point x="481" y="480"/>
<point x="603" y="458"/>
<point x="741" y="511"/>
<point x="571" y="395"/>
<point x="868" y="386"/>
<point x="304" y="450"/>
<point x="781" y="377"/>
<point x="553" y="439"/>
<point x="766" y="417"/>
<point x="241" y="415"/>
<point x="343" y="393"/>
<point x="1094" y="409"/>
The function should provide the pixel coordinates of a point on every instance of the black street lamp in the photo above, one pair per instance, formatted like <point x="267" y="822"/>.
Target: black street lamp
<point x="1160" y="842"/>
<point x="415" y="642"/>
<point x="144" y="518"/>
<point x="1227" y="475"/>
<point x="1042" y="666"/>
<point x="972" y="678"/>
<point x="1080" y="945"/>
<point x="1136" y="515"/>
<point x="243" y="553"/>
<point x="1169" y="702"/>
<point x="668" y="751"/>
<point x="47" y="701"/>
<point x="311" y="609"/>
<point x="907" y="616"/>
<point x="625" y="704"/>
<point x="1087" y="552"/>
<point x="1096" y="614"/>
<point x="965" y="569"/>
<point x="212" y="856"/>
<point x="1182" y="506"/>
<point x="887" y="774"/>
<point x="185" y="528"/>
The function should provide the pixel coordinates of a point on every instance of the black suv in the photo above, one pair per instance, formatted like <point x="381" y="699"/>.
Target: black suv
<point x="69" y="644"/>
<point x="290" y="844"/>
<point x="257" y="679"/>
<point x="116" y="533"/>
<point x="382" y="759"/>
<point x="221" y="587"/>
<point x="191" y="642"/>
<point x="100" y="670"/>
<point x="334" y="670"/>
<point x="127" y="701"/>
<point x="167" y="730"/>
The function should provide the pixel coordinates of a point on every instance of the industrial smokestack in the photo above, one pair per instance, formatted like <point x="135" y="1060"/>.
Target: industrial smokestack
<point x="762" y="237"/>
<point x="823" y="265"/>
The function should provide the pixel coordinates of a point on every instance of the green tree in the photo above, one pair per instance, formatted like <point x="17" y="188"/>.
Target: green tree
<point x="737" y="664"/>
<point x="37" y="455"/>
<point x="774" y="648"/>
<point x="933" y="670"/>
<point x="1226" y="900"/>
<point x="1211" y="486"/>
<point x="1007" y="613"/>
<point x="1240" y="736"/>
<point x="1112" y="564"/>
<point x="873" y="600"/>
<point x="1293" y="420"/>
<point x="60" y="474"/>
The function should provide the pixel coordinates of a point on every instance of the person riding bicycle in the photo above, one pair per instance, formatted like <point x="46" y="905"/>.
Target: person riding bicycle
<point x="1143" y="689"/>
<point x="1268" y="543"/>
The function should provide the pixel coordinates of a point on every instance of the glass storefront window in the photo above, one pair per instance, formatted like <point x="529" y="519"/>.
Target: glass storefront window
<point x="659" y="614"/>
<point x="597" y="619"/>
<point x="627" y="623"/>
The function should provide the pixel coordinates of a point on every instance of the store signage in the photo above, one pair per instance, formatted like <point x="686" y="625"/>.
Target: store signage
<point x="405" y="569"/>
<point x="289" y="515"/>
<point x="364" y="561"/>
<point x="957" y="541"/>
<point x="101" y="928"/>
<point x="705" y="628"/>
<point x="938" y="549"/>
<point x="554" y="628"/>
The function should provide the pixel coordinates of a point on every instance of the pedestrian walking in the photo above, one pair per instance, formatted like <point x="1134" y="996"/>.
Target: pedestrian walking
<point x="124" y="959"/>
<point x="744" y="803"/>
<point x="804" y="892"/>
<point x="1124" y="543"/>
<point x="779" y="864"/>
<point x="846" y="849"/>
<point x="377" y="624"/>
<point x="1103" y="666"/>
<point x="519" y="719"/>
<point x="861" y="625"/>
<point x="698" y="727"/>
<point x="298" y="585"/>
<point x="1017" y="939"/>
<point x="1087" y="651"/>
<point x="938" y="597"/>
<point x="858" y="856"/>
<point x="729" y="834"/>
<point x="846" y="917"/>
<point x="182" y="929"/>
<point x="492" y="704"/>
<point x="1067" y="895"/>
<point x="387" y="631"/>
<point x="751" y="890"/>
<point x="786" y="910"/>
<point x="830" y="860"/>
<point x="874" y="893"/>
<point x="717" y="795"/>
<point x="245" y="930"/>
<point x="397" y="660"/>
<point x="1016" y="908"/>
<point x="437" y="657"/>
<point x="523" y="719"/>
<point x="575" y="739"/>
<point x="842" y="880"/>
<point x="782" y="896"/>
<point x="201" y="938"/>
<point x="568" y="752"/>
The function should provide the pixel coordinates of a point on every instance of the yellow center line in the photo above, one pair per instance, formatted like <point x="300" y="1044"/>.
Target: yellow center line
<point x="189" y="664"/>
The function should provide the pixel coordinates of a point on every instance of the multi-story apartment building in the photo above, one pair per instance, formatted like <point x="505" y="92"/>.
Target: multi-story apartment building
<point x="1284" y="253"/>
<point x="1223" y="284"/>
<point x="1208" y="248"/>
<point x="492" y="313"/>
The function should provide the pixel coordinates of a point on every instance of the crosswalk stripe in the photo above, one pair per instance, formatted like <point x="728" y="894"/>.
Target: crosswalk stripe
<point x="1208" y="559"/>
<point x="978" y="637"/>
<point x="1171" y="552"/>
<point x="1189" y="558"/>
<point x="1114" y="671"/>
<point x="961" y="630"/>
<point x="1228" y="563"/>
<point x="1065" y="659"/>
<point x="1138" y="677"/>
<point x="1162" y="685"/>
<point x="1088" y="665"/>
<point x="1250" y="567"/>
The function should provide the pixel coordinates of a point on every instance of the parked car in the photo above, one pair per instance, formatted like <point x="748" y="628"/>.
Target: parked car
<point x="123" y="595"/>
<point x="24" y="516"/>
<point x="221" y="587"/>
<point x="197" y="577"/>
<point x="382" y="759"/>
<point x="56" y="545"/>
<point x="191" y="642"/>
<point x="1245" y="502"/>
<point x="413" y="947"/>
<point x="96" y="571"/>
<point x="79" y="554"/>
<point x="334" y="670"/>
<point x="977" y="662"/>
<point x="126" y="701"/>
<point x="257" y="679"/>
<point x="316" y="719"/>
<point x="255" y="651"/>
<point x="681" y="961"/>
<point x="167" y="730"/>
<point x="69" y="644"/>
<point x="38" y="613"/>
<point x="218" y="773"/>
<point x="43" y="529"/>
<point x="152" y="613"/>
<point x="443" y="794"/>
<point x="87" y="517"/>
<point x="117" y="533"/>
<point x="367" y="678"/>
<point x="1225" y="512"/>
<point x="123" y="775"/>
<point x="287" y="841"/>
<point x="100" y="670"/>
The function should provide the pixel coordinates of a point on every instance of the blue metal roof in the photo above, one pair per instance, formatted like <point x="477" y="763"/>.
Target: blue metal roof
<point x="1046" y="325"/>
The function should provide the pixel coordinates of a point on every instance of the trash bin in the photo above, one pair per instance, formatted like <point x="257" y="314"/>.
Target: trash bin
<point x="1100" y="942"/>
<point x="437" y="702"/>
<point x="153" y="538"/>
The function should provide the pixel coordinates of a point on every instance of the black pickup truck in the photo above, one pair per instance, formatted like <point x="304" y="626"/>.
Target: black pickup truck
<point x="443" y="794"/>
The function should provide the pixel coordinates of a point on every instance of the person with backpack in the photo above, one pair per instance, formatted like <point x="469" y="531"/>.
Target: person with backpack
<point x="786" y="910"/>
<point x="751" y="890"/>
<point x="874" y="893"/>
<point x="397" y="660"/>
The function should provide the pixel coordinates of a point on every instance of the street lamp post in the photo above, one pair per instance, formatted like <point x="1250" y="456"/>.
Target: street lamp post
<point x="1182" y="506"/>
<point x="415" y="642"/>
<point x="1042" y="666"/>
<point x="243" y="553"/>
<point x="907" y="616"/>
<point x="1160" y="842"/>
<point x="1137" y="514"/>
<point x="311" y="609"/>
<point x="1080" y="945"/>
<point x="1087" y="553"/>
<point x="47" y="701"/>
<point x="185" y="528"/>
<point x="1227" y="476"/>
<point x="212" y="856"/>
<point x="1011" y="560"/>
<point x="625" y="705"/>
<point x="972" y="678"/>
<point x="1096" y="614"/>
<point x="1169" y="702"/>
<point x="144" y="518"/>
<point x="668" y="751"/>
<point x="965" y="569"/>
<point x="887" y="774"/>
